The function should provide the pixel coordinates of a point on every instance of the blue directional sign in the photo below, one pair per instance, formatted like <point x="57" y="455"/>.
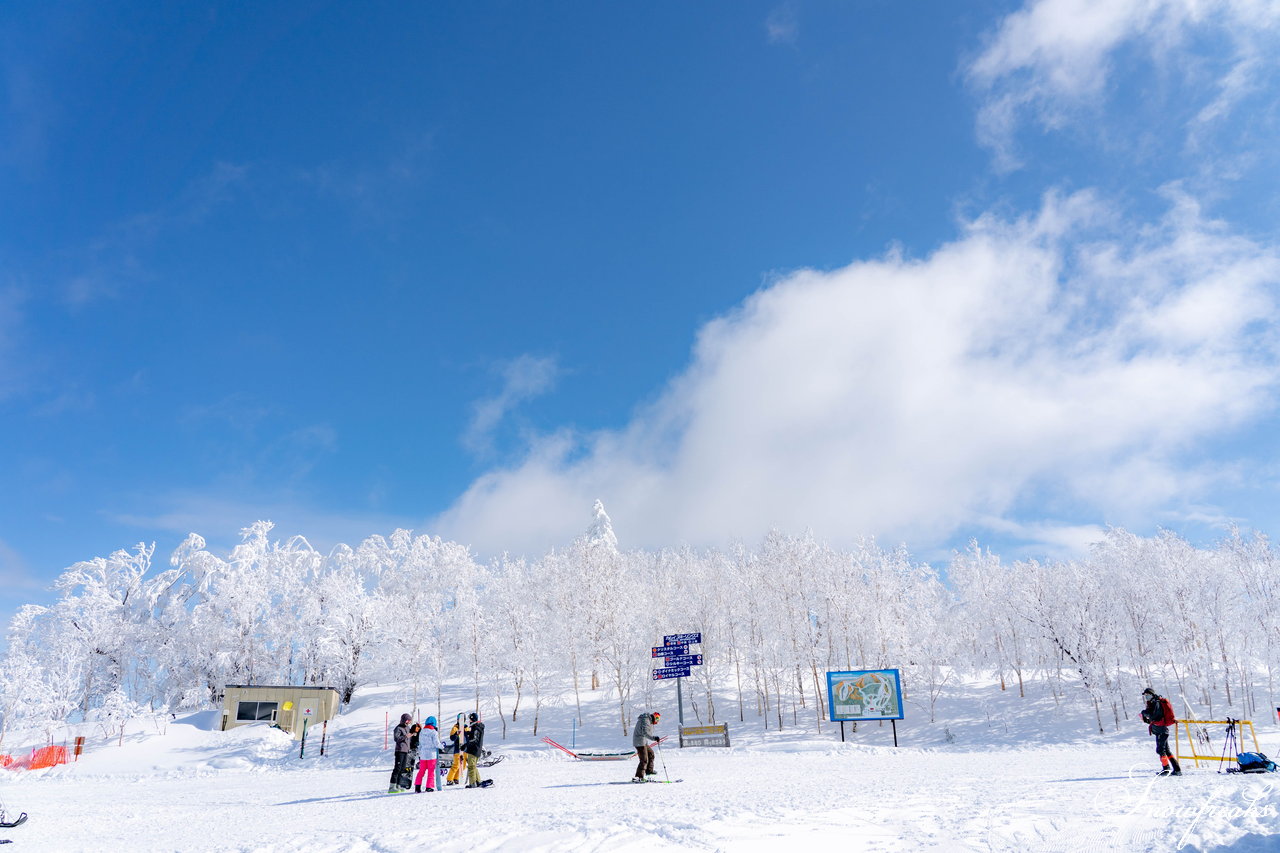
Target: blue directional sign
<point x="681" y="639"/>
<point x="684" y="660"/>
<point x="668" y="651"/>
<point x="670" y="672"/>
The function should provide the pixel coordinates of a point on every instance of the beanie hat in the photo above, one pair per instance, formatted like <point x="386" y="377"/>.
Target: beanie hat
<point x="473" y="716"/>
<point x="1149" y="692"/>
<point x="431" y="721"/>
<point x="404" y="718"/>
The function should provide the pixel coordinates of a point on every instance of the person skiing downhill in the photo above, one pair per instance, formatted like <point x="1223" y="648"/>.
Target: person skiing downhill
<point x="642" y="738"/>
<point x="1158" y="715"/>
<point x="474" y="748"/>
<point x="401" y="767"/>
<point x="428" y="754"/>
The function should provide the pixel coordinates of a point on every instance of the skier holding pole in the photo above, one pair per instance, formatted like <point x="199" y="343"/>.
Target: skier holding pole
<point x="643" y="738"/>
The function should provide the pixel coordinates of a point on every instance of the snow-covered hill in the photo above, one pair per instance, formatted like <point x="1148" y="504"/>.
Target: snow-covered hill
<point x="995" y="772"/>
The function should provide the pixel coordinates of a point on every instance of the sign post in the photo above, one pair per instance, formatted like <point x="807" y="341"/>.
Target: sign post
<point x="677" y="663"/>
<point x="865" y="694"/>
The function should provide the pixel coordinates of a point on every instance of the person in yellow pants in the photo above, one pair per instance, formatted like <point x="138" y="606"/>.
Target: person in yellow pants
<point x="456" y="735"/>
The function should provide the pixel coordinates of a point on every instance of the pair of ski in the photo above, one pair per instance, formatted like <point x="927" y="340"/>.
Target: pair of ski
<point x="650" y="782"/>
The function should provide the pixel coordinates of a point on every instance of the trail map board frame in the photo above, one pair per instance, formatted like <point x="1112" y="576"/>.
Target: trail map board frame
<point x="861" y="695"/>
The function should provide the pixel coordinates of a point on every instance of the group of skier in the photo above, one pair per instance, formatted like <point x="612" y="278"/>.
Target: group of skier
<point x="420" y="744"/>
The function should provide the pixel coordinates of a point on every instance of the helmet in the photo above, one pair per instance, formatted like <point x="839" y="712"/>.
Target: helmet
<point x="656" y="716"/>
<point x="404" y="718"/>
<point x="473" y="716"/>
<point x="431" y="721"/>
<point x="1149" y="692"/>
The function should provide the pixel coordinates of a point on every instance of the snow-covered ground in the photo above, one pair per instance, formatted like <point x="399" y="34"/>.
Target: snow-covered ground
<point x="995" y="773"/>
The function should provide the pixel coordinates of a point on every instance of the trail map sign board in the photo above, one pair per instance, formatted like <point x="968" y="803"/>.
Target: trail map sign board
<point x="865" y="694"/>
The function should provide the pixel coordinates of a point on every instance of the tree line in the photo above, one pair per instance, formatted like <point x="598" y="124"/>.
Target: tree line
<point x="127" y="637"/>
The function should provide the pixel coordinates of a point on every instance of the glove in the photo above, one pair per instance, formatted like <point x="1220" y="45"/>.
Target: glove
<point x="654" y="739"/>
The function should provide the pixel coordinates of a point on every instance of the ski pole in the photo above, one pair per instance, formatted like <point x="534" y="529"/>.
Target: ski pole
<point x="664" y="762"/>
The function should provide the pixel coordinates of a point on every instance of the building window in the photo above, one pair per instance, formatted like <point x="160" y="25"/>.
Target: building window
<point x="249" y="711"/>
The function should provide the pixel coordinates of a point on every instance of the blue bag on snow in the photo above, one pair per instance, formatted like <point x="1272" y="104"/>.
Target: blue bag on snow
<point x="1255" y="762"/>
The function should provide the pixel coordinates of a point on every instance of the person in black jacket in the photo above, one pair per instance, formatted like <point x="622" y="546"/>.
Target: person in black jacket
<point x="401" y="768"/>
<point x="474" y="747"/>
<point x="1158" y="715"/>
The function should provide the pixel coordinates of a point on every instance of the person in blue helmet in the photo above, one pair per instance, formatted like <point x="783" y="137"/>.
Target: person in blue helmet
<point x="428" y="755"/>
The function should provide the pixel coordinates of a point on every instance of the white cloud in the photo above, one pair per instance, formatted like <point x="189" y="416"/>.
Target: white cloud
<point x="1055" y="58"/>
<point x="783" y="24"/>
<point x="523" y="378"/>
<point x="909" y="399"/>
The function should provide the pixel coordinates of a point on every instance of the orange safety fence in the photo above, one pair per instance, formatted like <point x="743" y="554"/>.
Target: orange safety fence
<point x="45" y="756"/>
<point x="48" y="756"/>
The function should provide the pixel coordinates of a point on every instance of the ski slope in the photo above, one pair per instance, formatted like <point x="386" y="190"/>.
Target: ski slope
<point x="1006" y="781"/>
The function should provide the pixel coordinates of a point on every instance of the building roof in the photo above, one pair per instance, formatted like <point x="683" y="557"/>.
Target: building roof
<point x="284" y="686"/>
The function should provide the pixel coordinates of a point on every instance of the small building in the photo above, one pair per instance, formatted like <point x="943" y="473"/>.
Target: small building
<point x="287" y="706"/>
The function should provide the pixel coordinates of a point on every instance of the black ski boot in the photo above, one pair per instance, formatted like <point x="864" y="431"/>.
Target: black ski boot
<point x="1177" y="768"/>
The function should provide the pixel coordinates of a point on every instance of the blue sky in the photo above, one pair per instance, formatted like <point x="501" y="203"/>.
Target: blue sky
<point x="923" y="271"/>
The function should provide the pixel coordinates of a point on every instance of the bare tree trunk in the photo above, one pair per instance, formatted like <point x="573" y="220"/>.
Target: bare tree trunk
<point x="819" y="703"/>
<point x="741" y="707"/>
<point x="577" y="698"/>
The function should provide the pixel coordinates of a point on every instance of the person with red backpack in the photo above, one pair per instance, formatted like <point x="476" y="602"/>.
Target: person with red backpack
<point x="1158" y="715"/>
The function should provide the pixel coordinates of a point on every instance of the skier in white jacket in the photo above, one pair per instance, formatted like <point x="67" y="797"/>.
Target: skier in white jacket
<point x="428" y="754"/>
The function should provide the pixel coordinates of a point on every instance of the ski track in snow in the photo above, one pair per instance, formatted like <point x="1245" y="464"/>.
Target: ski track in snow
<point x="861" y="798"/>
